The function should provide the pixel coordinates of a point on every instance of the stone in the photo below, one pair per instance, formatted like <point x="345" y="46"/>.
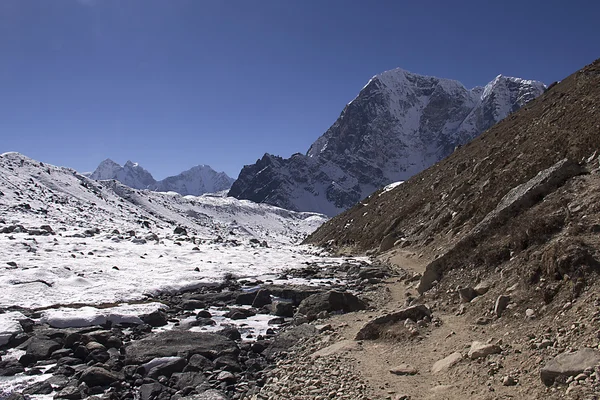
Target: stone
<point x="192" y="304"/>
<point x="155" y="318"/>
<point x="283" y="309"/>
<point x="479" y="350"/>
<point x="569" y="364"/>
<point x="467" y="294"/>
<point x="171" y="343"/>
<point x="372" y="329"/>
<point x="403" y="369"/>
<point x="165" y="366"/>
<point x="446" y="363"/>
<point x="39" y="388"/>
<point x="330" y="301"/>
<point x="263" y="297"/>
<point x="482" y="288"/>
<point x="181" y="380"/>
<point x="96" y="376"/>
<point x="239" y="313"/>
<point x="150" y="391"/>
<point x="41" y="347"/>
<point x="508" y="381"/>
<point x="69" y="393"/>
<point x="501" y="304"/>
<point x="387" y="242"/>
<point x="198" y="362"/>
<point x="530" y="313"/>
<point x="226" y="376"/>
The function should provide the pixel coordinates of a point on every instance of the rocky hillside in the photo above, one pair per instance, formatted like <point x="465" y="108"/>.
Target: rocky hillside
<point x="501" y="241"/>
<point x="399" y="124"/>
<point x="195" y="181"/>
<point x="512" y="192"/>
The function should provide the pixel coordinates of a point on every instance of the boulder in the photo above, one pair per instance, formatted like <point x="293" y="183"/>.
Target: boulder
<point x="164" y="366"/>
<point x="181" y="380"/>
<point x="372" y="329"/>
<point x="446" y="363"/>
<point x="403" y="369"/>
<point x="239" y="313"/>
<point x="282" y="309"/>
<point x="155" y="318"/>
<point x="501" y="304"/>
<point x="569" y="364"/>
<point x="330" y="301"/>
<point x="41" y="347"/>
<point x="467" y="294"/>
<point x="263" y="297"/>
<point x="479" y="350"/>
<point x="96" y="376"/>
<point x="171" y="343"/>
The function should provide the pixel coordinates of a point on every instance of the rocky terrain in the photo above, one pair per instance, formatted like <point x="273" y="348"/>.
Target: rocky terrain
<point x="399" y="124"/>
<point x="196" y="181"/>
<point x="502" y="239"/>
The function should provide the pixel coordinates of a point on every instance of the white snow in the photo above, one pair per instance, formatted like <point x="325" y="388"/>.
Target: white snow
<point x="76" y="277"/>
<point x="391" y="186"/>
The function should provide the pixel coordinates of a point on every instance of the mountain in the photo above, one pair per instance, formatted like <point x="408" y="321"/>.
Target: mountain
<point x="195" y="181"/>
<point x="522" y="197"/>
<point x="399" y="124"/>
<point x="130" y="174"/>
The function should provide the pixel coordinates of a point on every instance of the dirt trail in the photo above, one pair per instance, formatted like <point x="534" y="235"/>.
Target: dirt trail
<point x="373" y="359"/>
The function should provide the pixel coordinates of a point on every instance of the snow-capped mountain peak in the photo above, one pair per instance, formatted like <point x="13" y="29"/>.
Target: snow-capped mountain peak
<point x="195" y="181"/>
<point x="399" y="124"/>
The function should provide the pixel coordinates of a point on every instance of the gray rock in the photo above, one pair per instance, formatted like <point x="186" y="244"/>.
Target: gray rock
<point x="282" y="309"/>
<point x="180" y="380"/>
<point x="479" y="350"/>
<point x="169" y="344"/>
<point x="164" y="366"/>
<point x="404" y="369"/>
<point x="372" y="329"/>
<point x="41" y="347"/>
<point x="69" y="393"/>
<point x="446" y="363"/>
<point x="501" y="304"/>
<point x="467" y="294"/>
<point x="569" y="364"/>
<point x="330" y="301"/>
<point x="149" y="391"/>
<point x="263" y="297"/>
<point x="96" y="376"/>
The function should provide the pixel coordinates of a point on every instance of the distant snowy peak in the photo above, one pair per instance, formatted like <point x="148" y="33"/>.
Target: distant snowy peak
<point x="195" y="181"/>
<point x="130" y="174"/>
<point x="399" y="124"/>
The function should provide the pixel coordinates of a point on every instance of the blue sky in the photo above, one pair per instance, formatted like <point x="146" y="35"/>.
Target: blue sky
<point x="175" y="83"/>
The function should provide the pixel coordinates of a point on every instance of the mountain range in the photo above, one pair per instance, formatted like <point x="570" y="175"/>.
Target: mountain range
<point x="399" y="124"/>
<point x="195" y="181"/>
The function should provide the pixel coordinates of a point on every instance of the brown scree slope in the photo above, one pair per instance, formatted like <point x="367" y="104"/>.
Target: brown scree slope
<point x="438" y="208"/>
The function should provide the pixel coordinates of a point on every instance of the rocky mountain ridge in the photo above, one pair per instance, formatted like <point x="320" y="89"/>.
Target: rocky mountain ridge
<point x="196" y="181"/>
<point x="399" y="124"/>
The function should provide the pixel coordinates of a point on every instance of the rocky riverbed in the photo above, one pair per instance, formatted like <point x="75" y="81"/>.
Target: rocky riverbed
<point x="220" y="341"/>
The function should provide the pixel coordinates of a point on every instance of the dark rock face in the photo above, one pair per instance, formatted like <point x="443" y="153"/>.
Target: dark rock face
<point x="167" y="344"/>
<point x="398" y="125"/>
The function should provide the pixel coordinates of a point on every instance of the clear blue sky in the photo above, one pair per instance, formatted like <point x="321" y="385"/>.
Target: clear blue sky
<point x="175" y="83"/>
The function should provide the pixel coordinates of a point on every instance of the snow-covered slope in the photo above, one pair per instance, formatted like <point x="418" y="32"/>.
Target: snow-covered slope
<point x="398" y="125"/>
<point x="195" y="181"/>
<point x="68" y="239"/>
